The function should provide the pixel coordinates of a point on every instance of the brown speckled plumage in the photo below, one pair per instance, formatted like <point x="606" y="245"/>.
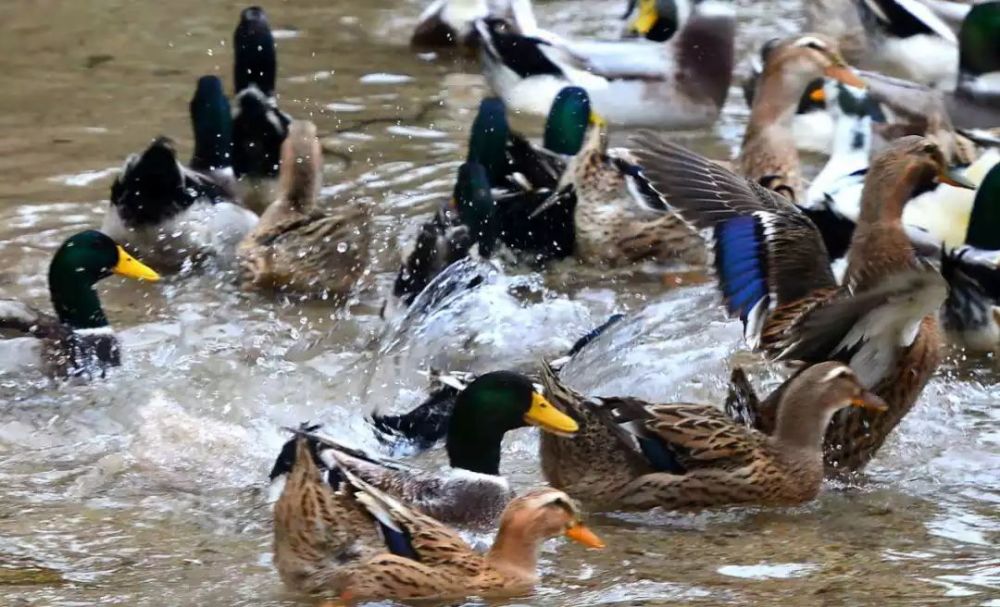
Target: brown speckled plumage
<point x="297" y="248"/>
<point x="716" y="460"/>
<point x="612" y="226"/>
<point x="326" y="541"/>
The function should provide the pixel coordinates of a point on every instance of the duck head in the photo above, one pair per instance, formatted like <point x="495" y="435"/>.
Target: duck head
<point x="489" y="407"/>
<point x="567" y="122"/>
<point x="535" y="516"/>
<point x="657" y="20"/>
<point x="79" y="263"/>
<point x="984" y="223"/>
<point x="979" y="50"/>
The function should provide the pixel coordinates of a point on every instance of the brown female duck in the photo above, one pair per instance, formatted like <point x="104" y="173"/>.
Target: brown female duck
<point x="634" y="454"/>
<point x="768" y="155"/>
<point x="296" y="247"/>
<point x="336" y="534"/>
<point x="775" y="276"/>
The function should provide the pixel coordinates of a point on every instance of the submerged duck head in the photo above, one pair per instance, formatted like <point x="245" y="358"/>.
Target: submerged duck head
<point x="80" y="262"/>
<point x="540" y="514"/>
<point x="256" y="61"/>
<point x="211" y="119"/>
<point x="979" y="43"/>
<point x="567" y="121"/>
<point x="490" y="406"/>
<point x="488" y="139"/>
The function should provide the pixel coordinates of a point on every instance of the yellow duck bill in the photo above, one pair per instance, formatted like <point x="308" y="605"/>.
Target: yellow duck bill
<point x="546" y="416"/>
<point x="131" y="267"/>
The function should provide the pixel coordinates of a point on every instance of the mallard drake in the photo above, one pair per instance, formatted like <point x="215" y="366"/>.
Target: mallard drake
<point x="259" y="126"/>
<point x="768" y="154"/>
<point x="971" y="315"/>
<point x="681" y="83"/>
<point x="446" y="23"/>
<point x="614" y="223"/>
<point x="297" y="248"/>
<point x="634" y="454"/>
<point x="472" y="492"/>
<point x="975" y="102"/>
<point x="336" y="534"/>
<point x="775" y="276"/>
<point x="78" y="341"/>
<point x="906" y="38"/>
<point x="174" y="215"/>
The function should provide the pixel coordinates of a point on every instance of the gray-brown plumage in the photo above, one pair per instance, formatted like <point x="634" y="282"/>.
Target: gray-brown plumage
<point x="693" y="456"/>
<point x="296" y="247"/>
<point x="336" y="534"/>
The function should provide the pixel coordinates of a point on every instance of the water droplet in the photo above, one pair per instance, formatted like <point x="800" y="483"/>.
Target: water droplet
<point x="342" y="247"/>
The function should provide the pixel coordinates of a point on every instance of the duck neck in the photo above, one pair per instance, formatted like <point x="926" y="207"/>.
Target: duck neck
<point x="800" y="426"/>
<point x="514" y="552"/>
<point x="75" y="301"/>
<point x="880" y="243"/>
<point x="472" y="444"/>
<point x="774" y="104"/>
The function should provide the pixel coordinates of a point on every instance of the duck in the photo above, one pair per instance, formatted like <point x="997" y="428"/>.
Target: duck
<point x="907" y="39"/>
<point x="450" y="23"/>
<point x="472" y="492"/>
<point x="768" y="153"/>
<point x="632" y="454"/>
<point x="774" y="274"/>
<point x="297" y="248"/>
<point x="180" y="217"/>
<point x="77" y="342"/>
<point x="681" y="83"/>
<point x="259" y="125"/>
<point x="335" y="534"/>
<point x="839" y="19"/>
<point x="975" y="101"/>
<point x="971" y="314"/>
<point x="614" y="223"/>
<point x="498" y="189"/>
<point x="811" y="125"/>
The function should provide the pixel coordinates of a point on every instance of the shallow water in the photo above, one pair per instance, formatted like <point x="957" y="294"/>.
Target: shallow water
<point x="148" y="488"/>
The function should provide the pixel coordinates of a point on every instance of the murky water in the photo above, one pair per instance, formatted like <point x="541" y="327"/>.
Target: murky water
<point x="148" y="488"/>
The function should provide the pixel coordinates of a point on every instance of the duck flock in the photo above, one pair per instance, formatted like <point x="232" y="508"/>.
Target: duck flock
<point x="854" y="280"/>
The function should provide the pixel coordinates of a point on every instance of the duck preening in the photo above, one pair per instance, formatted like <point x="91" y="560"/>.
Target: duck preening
<point x="78" y="341"/>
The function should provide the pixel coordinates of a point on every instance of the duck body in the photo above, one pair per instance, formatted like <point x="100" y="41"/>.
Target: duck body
<point x="174" y="215"/>
<point x="641" y="455"/>
<point x="893" y="347"/>
<point x="334" y="533"/>
<point x="77" y="341"/>
<point x="297" y="248"/>
<point x="678" y="84"/>
<point x="906" y="38"/>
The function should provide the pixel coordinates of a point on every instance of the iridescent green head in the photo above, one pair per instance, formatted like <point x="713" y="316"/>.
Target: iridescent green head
<point x="476" y="209"/>
<point x="488" y="140"/>
<point x="81" y="261"/>
<point x="979" y="40"/>
<point x="211" y="119"/>
<point x="567" y="121"/>
<point x="488" y="408"/>
<point x="984" y="223"/>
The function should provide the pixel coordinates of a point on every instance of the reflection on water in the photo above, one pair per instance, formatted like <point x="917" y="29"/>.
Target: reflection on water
<point x="148" y="488"/>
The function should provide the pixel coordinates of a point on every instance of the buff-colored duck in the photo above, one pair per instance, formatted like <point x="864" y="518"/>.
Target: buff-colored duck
<point x="473" y="492"/>
<point x="775" y="276"/>
<point x="78" y="341"/>
<point x="768" y="155"/>
<point x="296" y="247"/>
<point x="634" y="454"/>
<point x="335" y="534"/>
